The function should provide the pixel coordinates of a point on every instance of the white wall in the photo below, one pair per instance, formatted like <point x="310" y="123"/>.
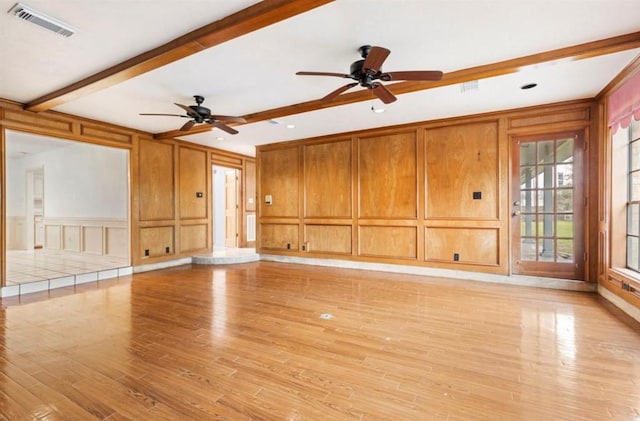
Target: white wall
<point x="218" y="206"/>
<point x="16" y="176"/>
<point x="83" y="180"/>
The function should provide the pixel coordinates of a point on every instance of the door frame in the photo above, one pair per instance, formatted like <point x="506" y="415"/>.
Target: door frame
<point x="576" y="269"/>
<point x="218" y="205"/>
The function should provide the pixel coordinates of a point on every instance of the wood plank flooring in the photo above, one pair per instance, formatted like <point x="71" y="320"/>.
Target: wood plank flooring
<point x="275" y="341"/>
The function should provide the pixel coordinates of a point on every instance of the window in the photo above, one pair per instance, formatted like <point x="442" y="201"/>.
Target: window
<point x="625" y="197"/>
<point x="632" y="134"/>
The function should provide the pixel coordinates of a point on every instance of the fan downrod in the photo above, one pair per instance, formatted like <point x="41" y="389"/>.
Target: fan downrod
<point x="364" y="50"/>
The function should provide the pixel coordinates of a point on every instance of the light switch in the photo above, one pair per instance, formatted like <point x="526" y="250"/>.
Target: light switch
<point x="250" y="200"/>
<point x="268" y="199"/>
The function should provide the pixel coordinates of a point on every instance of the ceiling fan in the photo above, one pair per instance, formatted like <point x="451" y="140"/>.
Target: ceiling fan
<point x="367" y="71"/>
<point x="199" y="114"/>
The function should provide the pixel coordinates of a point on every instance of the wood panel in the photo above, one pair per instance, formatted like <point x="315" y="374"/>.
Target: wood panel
<point x="327" y="180"/>
<point x="93" y="239"/>
<point x="57" y="126"/>
<point x="117" y="242"/>
<point x="193" y="237"/>
<point x="105" y="133"/>
<point x="387" y="174"/>
<point x="473" y="245"/>
<point x="573" y="114"/>
<point x="279" y="236"/>
<point x="53" y="237"/>
<point x="155" y="178"/>
<point x="462" y="160"/>
<point x="388" y="241"/>
<point x="249" y="174"/>
<point x="328" y="238"/>
<point x="280" y="180"/>
<point x="194" y="194"/>
<point x="158" y="241"/>
<point x="71" y="237"/>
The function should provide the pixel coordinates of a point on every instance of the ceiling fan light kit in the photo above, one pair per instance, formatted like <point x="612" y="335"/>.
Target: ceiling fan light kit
<point x="367" y="72"/>
<point x="200" y="114"/>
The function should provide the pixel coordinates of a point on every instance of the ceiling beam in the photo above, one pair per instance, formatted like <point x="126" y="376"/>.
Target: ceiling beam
<point x="576" y="52"/>
<point x="252" y="18"/>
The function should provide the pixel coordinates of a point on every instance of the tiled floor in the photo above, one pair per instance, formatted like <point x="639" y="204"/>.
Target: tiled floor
<point x="24" y="266"/>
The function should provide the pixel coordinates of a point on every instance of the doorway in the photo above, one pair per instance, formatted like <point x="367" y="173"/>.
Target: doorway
<point x="226" y="190"/>
<point x="67" y="209"/>
<point x="548" y="205"/>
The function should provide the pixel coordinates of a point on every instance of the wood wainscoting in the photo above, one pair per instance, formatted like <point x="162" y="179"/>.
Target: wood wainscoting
<point x="94" y="236"/>
<point x="433" y="194"/>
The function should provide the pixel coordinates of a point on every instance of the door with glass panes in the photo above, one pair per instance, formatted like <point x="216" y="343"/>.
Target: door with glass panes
<point x="547" y="207"/>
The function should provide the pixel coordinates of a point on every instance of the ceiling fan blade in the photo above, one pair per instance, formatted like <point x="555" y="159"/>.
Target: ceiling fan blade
<point x="187" y="126"/>
<point x="412" y="75"/>
<point x="323" y="74"/>
<point x="383" y="93"/>
<point x="169" y="115"/>
<point x="224" y="127"/>
<point x="188" y="109"/>
<point x="338" y="91"/>
<point x="374" y="60"/>
<point x="229" y="118"/>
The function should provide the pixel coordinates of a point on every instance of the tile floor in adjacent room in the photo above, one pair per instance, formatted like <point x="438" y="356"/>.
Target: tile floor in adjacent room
<point x="24" y="266"/>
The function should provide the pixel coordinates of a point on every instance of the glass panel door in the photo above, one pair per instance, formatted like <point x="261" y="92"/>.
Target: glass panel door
<point x="547" y="208"/>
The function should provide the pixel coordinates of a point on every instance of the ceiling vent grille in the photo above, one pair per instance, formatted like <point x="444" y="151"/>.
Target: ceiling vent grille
<point x="30" y="15"/>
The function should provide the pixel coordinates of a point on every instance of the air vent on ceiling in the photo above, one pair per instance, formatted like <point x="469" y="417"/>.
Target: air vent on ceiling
<point x="31" y="15"/>
<point x="471" y="85"/>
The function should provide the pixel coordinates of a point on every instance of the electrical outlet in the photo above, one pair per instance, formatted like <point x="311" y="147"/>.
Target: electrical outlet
<point x="146" y="252"/>
<point x="288" y="246"/>
<point x="456" y="257"/>
<point x="199" y="194"/>
<point x="167" y="250"/>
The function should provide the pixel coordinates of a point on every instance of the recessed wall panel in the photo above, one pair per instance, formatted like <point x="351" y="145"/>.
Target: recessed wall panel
<point x="462" y="178"/>
<point x="193" y="183"/>
<point x="387" y="174"/>
<point x="156" y="241"/>
<point x="328" y="238"/>
<point x="471" y="245"/>
<point x="386" y="241"/>
<point x="193" y="237"/>
<point x="155" y="171"/>
<point x="279" y="181"/>
<point x="327" y="180"/>
<point x="279" y="236"/>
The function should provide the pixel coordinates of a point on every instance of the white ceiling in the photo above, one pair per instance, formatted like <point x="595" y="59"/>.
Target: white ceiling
<point x="256" y="72"/>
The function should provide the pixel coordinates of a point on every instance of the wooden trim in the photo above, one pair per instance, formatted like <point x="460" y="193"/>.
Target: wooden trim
<point x="629" y="71"/>
<point x="250" y="19"/>
<point x="3" y="205"/>
<point x="576" y="52"/>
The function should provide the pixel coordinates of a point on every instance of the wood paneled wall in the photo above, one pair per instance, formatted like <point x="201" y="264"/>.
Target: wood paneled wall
<point x="404" y="194"/>
<point x="170" y="181"/>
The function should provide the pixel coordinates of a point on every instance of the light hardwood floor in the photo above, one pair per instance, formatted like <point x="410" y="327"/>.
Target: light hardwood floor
<point x="279" y="341"/>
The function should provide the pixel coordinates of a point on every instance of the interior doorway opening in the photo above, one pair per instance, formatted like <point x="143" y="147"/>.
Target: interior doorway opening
<point x="67" y="209"/>
<point x="226" y="209"/>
